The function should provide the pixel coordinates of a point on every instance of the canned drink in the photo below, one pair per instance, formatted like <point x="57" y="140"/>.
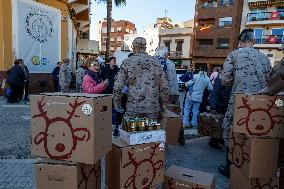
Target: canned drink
<point x="157" y="126"/>
<point x="140" y="125"/>
<point x="132" y="126"/>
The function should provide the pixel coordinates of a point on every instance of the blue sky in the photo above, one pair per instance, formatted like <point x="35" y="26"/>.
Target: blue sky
<point x="145" y="12"/>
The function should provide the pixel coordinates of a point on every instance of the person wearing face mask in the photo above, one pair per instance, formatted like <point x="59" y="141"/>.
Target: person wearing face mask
<point x="92" y="81"/>
<point x="109" y="72"/>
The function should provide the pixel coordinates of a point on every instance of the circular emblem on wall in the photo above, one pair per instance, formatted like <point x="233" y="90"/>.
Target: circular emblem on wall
<point x="39" y="25"/>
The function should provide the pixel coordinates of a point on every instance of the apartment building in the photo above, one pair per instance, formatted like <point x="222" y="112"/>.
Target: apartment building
<point x="118" y="30"/>
<point x="217" y="26"/>
<point x="266" y="17"/>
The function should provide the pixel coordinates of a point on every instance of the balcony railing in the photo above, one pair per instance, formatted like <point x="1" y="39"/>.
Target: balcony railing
<point x="262" y="16"/>
<point x="270" y="39"/>
<point x="176" y="54"/>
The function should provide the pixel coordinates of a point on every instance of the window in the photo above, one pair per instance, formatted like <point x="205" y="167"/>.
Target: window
<point x="225" y="22"/>
<point x="227" y="2"/>
<point x="168" y="44"/>
<point x="119" y="29"/>
<point x="112" y="48"/>
<point x="179" y="45"/>
<point x="104" y="39"/>
<point x="112" y="39"/>
<point x="103" y="48"/>
<point x="118" y="38"/>
<point x="118" y="48"/>
<point x="258" y="14"/>
<point x="278" y="32"/>
<point x="112" y="29"/>
<point x="209" y="4"/>
<point x="127" y="30"/>
<point x="205" y="42"/>
<point x="223" y="43"/>
<point x="104" y="30"/>
<point x="258" y="32"/>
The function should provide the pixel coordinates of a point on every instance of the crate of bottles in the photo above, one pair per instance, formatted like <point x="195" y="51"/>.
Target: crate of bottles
<point x="141" y="130"/>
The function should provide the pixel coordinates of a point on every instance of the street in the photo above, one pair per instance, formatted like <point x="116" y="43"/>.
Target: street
<point x="17" y="164"/>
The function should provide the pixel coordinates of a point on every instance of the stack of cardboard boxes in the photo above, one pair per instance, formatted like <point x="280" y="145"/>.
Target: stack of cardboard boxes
<point x="73" y="131"/>
<point x="254" y="141"/>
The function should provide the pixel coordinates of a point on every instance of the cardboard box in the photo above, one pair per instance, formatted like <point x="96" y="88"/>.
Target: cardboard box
<point x="210" y="125"/>
<point x="174" y="108"/>
<point x="240" y="181"/>
<point x="143" y="137"/>
<point x="139" y="166"/>
<point x="73" y="127"/>
<point x="182" y="178"/>
<point x="61" y="174"/>
<point x="255" y="157"/>
<point x="259" y="115"/>
<point x="172" y="123"/>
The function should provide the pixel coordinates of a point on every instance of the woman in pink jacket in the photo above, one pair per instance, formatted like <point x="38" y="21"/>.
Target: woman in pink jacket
<point x="92" y="82"/>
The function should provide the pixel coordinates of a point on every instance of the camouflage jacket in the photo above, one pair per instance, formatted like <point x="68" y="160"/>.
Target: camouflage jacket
<point x="147" y="84"/>
<point x="64" y="75"/>
<point x="247" y="70"/>
<point x="80" y="73"/>
<point x="172" y="78"/>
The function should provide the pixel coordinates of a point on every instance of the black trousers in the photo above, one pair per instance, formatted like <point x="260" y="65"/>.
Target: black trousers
<point x="16" y="93"/>
<point x="56" y="85"/>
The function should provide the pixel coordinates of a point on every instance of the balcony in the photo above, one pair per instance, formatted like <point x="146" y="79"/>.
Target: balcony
<point x="265" y="18"/>
<point x="269" y="41"/>
<point x="176" y="54"/>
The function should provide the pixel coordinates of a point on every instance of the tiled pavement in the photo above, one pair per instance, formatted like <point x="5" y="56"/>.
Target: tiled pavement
<point x="17" y="174"/>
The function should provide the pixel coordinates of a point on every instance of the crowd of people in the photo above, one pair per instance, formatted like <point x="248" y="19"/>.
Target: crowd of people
<point x="144" y="85"/>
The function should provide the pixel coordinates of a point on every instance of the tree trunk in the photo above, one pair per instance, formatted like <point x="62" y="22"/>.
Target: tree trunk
<point x="109" y="19"/>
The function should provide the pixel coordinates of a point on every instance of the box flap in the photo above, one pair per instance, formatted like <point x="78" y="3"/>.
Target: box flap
<point x="75" y="95"/>
<point x="119" y="143"/>
<point x="191" y="176"/>
<point x="170" y="114"/>
<point x="55" y="162"/>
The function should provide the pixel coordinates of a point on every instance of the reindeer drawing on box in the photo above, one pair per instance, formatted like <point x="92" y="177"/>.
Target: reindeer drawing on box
<point x="268" y="185"/>
<point x="59" y="138"/>
<point x="140" y="180"/>
<point x="95" y="171"/>
<point x="259" y="121"/>
<point x="238" y="156"/>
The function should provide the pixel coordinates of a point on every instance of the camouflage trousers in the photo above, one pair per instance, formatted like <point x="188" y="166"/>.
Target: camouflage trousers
<point x="79" y="88"/>
<point x="65" y="89"/>
<point x="227" y="123"/>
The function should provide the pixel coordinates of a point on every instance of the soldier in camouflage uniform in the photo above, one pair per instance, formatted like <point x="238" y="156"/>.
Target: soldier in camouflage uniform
<point x="246" y="70"/>
<point x="148" y="88"/>
<point x="80" y="73"/>
<point x="65" y="76"/>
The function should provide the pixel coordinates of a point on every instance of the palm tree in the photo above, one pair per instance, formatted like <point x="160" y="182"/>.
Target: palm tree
<point x="109" y="19"/>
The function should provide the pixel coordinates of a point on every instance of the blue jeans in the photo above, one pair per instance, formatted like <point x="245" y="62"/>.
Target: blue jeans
<point x="187" y="110"/>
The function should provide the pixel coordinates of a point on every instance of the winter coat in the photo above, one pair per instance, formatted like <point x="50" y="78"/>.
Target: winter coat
<point x="108" y="73"/>
<point x="147" y="84"/>
<point x="200" y="82"/>
<point x="55" y="73"/>
<point x="172" y="78"/>
<point x="91" y="87"/>
<point x="64" y="76"/>
<point x="80" y="73"/>
<point x="220" y="97"/>
<point x="16" y="76"/>
<point x="246" y="69"/>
